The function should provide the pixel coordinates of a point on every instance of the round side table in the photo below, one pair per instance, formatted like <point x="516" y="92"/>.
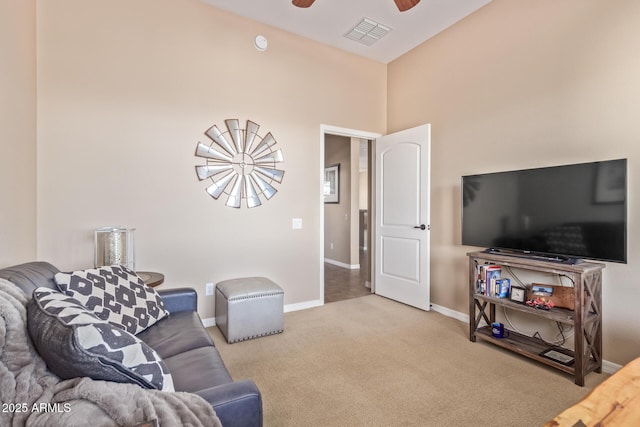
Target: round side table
<point x="151" y="278"/>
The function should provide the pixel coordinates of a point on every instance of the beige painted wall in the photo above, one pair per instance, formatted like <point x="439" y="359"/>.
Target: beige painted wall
<point x="363" y="196"/>
<point x="126" y="90"/>
<point x="337" y="234"/>
<point x="17" y="131"/>
<point x="527" y="84"/>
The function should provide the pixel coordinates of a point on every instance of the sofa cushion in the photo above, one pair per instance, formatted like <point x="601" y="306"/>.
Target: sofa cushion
<point x="177" y="333"/>
<point x="116" y="294"/>
<point x="198" y="369"/>
<point x="75" y="343"/>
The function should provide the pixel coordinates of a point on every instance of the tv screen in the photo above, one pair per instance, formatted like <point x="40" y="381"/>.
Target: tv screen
<point x="572" y="211"/>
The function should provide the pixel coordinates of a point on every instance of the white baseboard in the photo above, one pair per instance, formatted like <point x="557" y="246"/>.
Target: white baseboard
<point x="610" y="367"/>
<point x="450" y="313"/>
<point x="302" y="305"/>
<point x="342" y="264"/>
<point x="209" y="322"/>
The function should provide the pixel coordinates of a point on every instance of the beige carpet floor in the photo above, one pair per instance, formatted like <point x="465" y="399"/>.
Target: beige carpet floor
<point x="370" y="361"/>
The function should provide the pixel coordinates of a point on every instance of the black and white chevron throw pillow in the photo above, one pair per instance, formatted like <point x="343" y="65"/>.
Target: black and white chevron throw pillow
<point x="75" y="343"/>
<point x="115" y="294"/>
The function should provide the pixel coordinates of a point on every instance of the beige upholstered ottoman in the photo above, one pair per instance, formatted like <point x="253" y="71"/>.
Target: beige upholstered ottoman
<point x="248" y="308"/>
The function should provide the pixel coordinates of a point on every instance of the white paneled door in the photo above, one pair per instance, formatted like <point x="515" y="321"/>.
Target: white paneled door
<point x="402" y="216"/>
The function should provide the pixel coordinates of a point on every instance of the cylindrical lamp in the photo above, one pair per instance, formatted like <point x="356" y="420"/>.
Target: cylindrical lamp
<point x="115" y="246"/>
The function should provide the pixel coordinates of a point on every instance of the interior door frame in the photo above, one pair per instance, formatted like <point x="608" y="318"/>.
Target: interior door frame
<point x="351" y="133"/>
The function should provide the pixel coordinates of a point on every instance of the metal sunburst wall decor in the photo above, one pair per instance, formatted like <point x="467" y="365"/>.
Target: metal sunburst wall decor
<point x="243" y="167"/>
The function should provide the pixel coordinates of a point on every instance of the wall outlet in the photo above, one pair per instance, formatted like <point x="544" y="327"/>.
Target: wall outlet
<point x="208" y="289"/>
<point x="331" y="246"/>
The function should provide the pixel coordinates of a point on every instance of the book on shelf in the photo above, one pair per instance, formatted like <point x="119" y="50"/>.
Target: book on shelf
<point x="488" y="275"/>
<point x="503" y="287"/>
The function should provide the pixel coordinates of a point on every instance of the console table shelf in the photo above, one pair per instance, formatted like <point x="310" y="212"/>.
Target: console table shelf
<point x="586" y="317"/>
<point x="557" y="314"/>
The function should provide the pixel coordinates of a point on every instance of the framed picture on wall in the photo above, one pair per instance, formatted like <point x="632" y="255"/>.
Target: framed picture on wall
<point x="332" y="184"/>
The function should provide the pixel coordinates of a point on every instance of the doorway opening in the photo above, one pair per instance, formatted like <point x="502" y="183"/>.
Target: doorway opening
<point x="346" y="235"/>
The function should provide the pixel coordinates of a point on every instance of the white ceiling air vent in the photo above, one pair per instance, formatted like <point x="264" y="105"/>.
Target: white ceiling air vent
<point x="367" y="32"/>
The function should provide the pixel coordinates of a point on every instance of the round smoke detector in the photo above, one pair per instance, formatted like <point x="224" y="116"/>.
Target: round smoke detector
<point x="261" y="43"/>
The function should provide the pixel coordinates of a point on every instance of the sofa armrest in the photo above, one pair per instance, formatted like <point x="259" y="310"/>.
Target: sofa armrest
<point x="237" y="404"/>
<point x="179" y="299"/>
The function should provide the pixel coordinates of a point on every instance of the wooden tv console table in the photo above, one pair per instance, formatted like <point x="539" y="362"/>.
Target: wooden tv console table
<point x="586" y="317"/>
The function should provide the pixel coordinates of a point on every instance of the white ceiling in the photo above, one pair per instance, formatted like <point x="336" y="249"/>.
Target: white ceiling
<point x="327" y="21"/>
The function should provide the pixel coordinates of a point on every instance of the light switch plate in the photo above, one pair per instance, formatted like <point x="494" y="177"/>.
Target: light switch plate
<point x="296" y="223"/>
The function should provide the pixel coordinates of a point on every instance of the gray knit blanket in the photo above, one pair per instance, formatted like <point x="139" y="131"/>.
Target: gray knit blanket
<point x="31" y="395"/>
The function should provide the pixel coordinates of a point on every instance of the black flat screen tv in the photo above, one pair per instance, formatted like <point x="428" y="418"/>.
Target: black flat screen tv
<point x="564" y="213"/>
